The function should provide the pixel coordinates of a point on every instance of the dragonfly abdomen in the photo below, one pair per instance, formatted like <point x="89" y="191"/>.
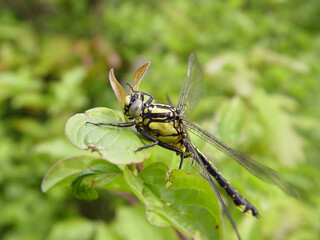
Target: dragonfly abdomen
<point x="243" y="204"/>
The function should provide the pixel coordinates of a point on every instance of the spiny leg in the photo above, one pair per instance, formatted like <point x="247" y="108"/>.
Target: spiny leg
<point x="181" y="162"/>
<point x="177" y="150"/>
<point x="149" y="137"/>
<point x="146" y="146"/>
<point x="127" y="124"/>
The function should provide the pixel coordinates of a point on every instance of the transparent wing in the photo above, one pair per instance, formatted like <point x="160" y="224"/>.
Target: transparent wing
<point x="192" y="87"/>
<point x="258" y="169"/>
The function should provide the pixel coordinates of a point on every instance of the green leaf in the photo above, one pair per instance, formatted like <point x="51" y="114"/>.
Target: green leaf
<point x="62" y="172"/>
<point x="185" y="201"/>
<point x="81" y="188"/>
<point x="98" y="174"/>
<point x="114" y="144"/>
<point x="130" y="223"/>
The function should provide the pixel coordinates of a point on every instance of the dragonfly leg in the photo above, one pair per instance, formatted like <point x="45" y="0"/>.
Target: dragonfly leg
<point x="177" y="150"/>
<point x="127" y="124"/>
<point x="146" y="146"/>
<point x="149" y="137"/>
<point x="181" y="161"/>
<point x="161" y="144"/>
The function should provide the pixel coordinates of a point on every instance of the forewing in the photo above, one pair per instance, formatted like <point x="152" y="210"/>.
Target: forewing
<point x="192" y="87"/>
<point x="258" y="169"/>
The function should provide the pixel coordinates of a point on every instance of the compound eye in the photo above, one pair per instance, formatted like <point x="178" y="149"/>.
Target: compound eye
<point x="135" y="108"/>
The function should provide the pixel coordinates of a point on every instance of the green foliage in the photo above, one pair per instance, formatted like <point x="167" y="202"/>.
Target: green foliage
<point x="261" y="96"/>
<point x="64" y="170"/>
<point x="175" y="201"/>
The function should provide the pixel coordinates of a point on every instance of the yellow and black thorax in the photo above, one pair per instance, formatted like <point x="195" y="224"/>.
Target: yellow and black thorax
<point x="158" y="120"/>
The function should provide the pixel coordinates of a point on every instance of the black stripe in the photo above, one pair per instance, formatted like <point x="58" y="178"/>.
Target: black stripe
<point x="157" y="115"/>
<point x="172" y="135"/>
<point x="167" y="120"/>
<point x="172" y="109"/>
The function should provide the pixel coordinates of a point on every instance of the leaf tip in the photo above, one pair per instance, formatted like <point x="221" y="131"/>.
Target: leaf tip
<point x="42" y="187"/>
<point x="117" y="88"/>
<point x="139" y="75"/>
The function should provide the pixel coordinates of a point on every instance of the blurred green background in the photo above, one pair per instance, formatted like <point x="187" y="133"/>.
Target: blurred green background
<point x="261" y="96"/>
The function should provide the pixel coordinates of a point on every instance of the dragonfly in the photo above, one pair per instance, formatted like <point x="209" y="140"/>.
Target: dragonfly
<point x="166" y="126"/>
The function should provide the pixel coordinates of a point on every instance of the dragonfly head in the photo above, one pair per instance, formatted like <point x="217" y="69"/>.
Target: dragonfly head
<point x="133" y="104"/>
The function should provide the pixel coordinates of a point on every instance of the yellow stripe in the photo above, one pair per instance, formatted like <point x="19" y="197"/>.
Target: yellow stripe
<point x="165" y="129"/>
<point x="155" y="109"/>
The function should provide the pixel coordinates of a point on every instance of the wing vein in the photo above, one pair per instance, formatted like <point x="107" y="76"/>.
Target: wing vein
<point x="192" y="87"/>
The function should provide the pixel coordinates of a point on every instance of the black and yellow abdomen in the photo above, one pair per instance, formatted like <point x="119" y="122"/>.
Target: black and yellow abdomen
<point x="162" y="122"/>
